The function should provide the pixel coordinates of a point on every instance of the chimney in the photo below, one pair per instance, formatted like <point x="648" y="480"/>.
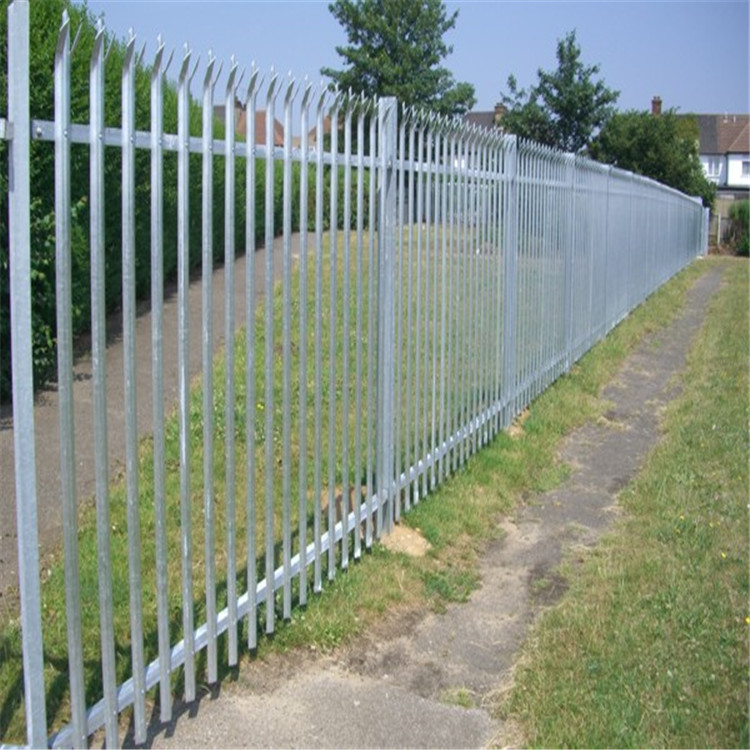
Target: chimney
<point x="500" y="112"/>
<point x="656" y="106"/>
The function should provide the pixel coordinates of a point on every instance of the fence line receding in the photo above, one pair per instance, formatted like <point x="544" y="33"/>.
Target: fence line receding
<point x="430" y="280"/>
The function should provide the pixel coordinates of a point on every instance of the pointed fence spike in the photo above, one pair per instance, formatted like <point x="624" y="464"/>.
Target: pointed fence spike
<point x="76" y="38"/>
<point x="63" y="33"/>
<point x="169" y="62"/>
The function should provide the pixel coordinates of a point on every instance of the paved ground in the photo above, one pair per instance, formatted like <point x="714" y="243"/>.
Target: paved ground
<point x="46" y="416"/>
<point x="389" y="689"/>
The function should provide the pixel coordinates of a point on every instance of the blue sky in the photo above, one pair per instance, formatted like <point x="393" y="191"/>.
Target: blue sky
<point x="692" y="53"/>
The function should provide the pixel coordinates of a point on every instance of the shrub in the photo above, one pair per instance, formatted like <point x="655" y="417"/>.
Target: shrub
<point x="739" y="233"/>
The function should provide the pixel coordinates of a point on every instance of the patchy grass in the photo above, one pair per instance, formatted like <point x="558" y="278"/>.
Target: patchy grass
<point x="458" y="519"/>
<point x="649" y="648"/>
<point x="460" y="696"/>
<point x="461" y="516"/>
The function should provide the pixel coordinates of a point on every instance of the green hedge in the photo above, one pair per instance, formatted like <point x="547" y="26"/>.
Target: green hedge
<point x="739" y="216"/>
<point x="45" y="22"/>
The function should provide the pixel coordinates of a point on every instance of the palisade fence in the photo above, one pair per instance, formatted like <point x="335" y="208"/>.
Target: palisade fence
<point x="450" y="276"/>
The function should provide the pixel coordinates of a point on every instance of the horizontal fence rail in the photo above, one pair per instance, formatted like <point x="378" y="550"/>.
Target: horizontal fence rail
<point x="430" y="279"/>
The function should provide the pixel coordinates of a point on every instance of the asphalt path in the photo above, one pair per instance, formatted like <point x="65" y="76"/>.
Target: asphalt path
<point x="46" y="410"/>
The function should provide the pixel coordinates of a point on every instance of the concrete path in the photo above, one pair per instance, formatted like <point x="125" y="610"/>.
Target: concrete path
<point x="389" y="690"/>
<point x="46" y="416"/>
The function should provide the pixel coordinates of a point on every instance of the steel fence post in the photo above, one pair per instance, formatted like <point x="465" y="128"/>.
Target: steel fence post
<point x="386" y="279"/>
<point x="183" y="371"/>
<point x="286" y="472"/>
<point x="332" y="299"/>
<point x="510" y="278"/>
<point x="99" y="383"/>
<point x="19" y="204"/>
<point x="207" y="345"/>
<point x="158" y="71"/>
<point x="131" y="401"/>
<point x="63" y="297"/>
<point x="703" y="249"/>
<point x="570" y="180"/>
<point x="250" y="362"/>
<point x="269" y="356"/>
<point x="230" y="357"/>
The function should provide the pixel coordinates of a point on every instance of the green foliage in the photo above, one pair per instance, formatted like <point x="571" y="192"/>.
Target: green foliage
<point x="45" y="19"/>
<point x="739" y="215"/>
<point x="663" y="147"/>
<point x="566" y="107"/>
<point x="394" y="49"/>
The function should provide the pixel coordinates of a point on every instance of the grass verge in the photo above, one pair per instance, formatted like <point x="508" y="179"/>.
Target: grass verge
<point x="458" y="519"/>
<point x="649" y="647"/>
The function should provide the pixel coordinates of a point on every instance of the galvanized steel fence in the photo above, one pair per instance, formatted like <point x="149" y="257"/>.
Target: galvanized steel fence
<point x="450" y="274"/>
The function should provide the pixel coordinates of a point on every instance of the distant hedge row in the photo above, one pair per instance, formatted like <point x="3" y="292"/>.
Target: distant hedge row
<point x="45" y="22"/>
<point x="739" y="216"/>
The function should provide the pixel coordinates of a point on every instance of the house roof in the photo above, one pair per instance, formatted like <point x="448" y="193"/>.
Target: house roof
<point x="240" y="124"/>
<point x="487" y="119"/>
<point x="312" y="134"/>
<point x="724" y="134"/>
<point x="741" y="144"/>
<point x="483" y="119"/>
<point x="260" y="127"/>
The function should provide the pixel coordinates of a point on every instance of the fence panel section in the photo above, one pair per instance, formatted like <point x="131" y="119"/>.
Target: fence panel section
<point x="358" y="310"/>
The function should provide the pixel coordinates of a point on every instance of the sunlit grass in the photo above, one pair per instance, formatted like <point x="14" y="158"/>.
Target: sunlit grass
<point x="457" y="519"/>
<point x="649" y="648"/>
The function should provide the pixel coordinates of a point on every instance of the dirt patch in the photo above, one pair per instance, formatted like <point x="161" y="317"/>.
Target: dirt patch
<point x="407" y="541"/>
<point x="516" y="429"/>
<point x="546" y="585"/>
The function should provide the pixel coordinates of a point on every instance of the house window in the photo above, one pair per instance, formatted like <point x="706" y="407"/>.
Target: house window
<point x="746" y="168"/>
<point x="713" y="166"/>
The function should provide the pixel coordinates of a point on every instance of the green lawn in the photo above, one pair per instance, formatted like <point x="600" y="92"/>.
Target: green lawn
<point x="649" y="647"/>
<point x="457" y="519"/>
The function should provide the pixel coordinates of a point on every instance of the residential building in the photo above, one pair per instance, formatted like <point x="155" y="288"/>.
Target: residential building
<point x="312" y="135"/>
<point x="240" y="124"/>
<point x="725" y="151"/>
<point x="486" y="119"/>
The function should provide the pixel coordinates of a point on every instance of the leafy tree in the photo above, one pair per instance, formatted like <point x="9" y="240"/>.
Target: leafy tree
<point x="663" y="147"/>
<point x="394" y="49"/>
<point x="566" y="107"/>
